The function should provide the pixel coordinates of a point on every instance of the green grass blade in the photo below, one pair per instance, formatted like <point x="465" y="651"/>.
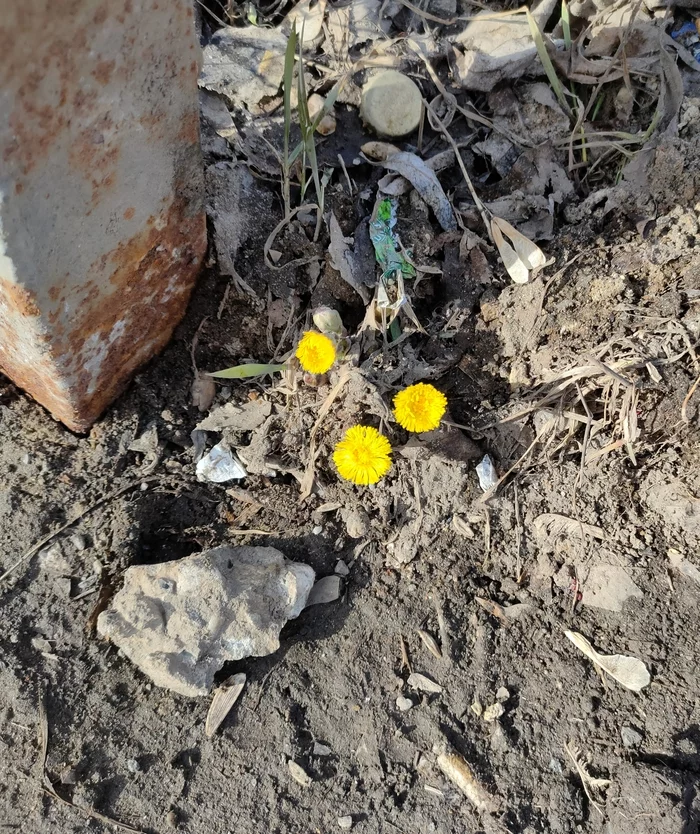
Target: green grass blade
<point x="547" y="63"/>
<point x="247" y="371"/>
<point x="566" y="23"/>
<point x="288" y="78"/>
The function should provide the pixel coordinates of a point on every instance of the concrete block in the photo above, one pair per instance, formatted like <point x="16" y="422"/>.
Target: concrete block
<point x="102" y="228"/>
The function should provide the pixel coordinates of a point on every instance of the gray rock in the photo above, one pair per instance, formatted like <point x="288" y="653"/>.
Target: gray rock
<point x="631" y="737"/>
<point x="180" y="621"/>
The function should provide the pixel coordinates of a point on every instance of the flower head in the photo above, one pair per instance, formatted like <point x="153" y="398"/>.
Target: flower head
<point x="316" y="352"/>
<point x="363" y="456"/>
<point x="419" y="407"/>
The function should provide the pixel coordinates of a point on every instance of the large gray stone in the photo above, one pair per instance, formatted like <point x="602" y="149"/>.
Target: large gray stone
<point x="180" y="621"/>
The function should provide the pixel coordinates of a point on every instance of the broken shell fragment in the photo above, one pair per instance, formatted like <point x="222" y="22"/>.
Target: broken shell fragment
<point x="391" y="104"/>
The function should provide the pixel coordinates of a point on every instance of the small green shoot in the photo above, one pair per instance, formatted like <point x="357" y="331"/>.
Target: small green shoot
<point x="248" y="371"/>
<point x="566" y="23"/>
<point x="547" y="63"/>
<point x="306" y="148"/>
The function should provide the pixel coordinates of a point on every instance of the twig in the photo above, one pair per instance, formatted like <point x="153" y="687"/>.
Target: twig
<point x="345" y="171"/>
<point x="100" y="501"/>
<point x="684" y="407"/>
<point x="477" y="202"/>
<point x="308" y="479"/>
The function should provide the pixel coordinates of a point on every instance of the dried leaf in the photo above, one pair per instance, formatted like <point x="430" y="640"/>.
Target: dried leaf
<point x="423" y="179"/>
<point x="552" y="525"/>
<point x="299" y="774"/>
<point x="521" y="257"/>
<point x="308" y="16"/>
<point x="420" y="682"/>
<point x="494" y="712"/>
<point x="430" y="643"/>
<point x="203" y="392"/>
<point x="246" y="65"/>
<point x="379" y="151"/>
<point x="462" y="776"/>
<point x="224" y="698"/>
<point x="493" y="609"/>
<point x="342" y="260"/>
<point x="626" y="670"/>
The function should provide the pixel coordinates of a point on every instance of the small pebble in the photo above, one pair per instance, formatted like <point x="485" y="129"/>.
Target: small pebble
<point x="133" y="766"/>
<point x="317" y="530"/>
<point x="341" y="568"/>
<point x="322" y="749"/>
<point x="345" y="823"/>
<point x="631" y="737"/>
<point x="79" y="541"/>
<point x="494" y="712"/>
<point x="555" y="765"/>
<point x="502" y="695"/>
<point x="404" y="704"/>
<point x="171" y="819"/>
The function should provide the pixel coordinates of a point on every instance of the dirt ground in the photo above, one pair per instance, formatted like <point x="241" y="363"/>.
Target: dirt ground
<point x="494" y="580"/>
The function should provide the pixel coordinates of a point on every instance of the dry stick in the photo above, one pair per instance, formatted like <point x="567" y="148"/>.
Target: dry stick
<point x="105" y="499"/>
<point x="693" y="388"/>
<point x="347" y="176"/>
<point x="606" y="369"/>
<point x="47" y="785"/>
<point x="278" y="228"/>
<point x="518" y="535"/>
<point x="308" y="479"/>
<point x="480" y="206"/>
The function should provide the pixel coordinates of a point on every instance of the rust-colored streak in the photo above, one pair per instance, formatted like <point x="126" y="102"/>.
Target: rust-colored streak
<point x="103" y="71"/>
<point x="129" y="213"/>
<point x="152" y="275"/>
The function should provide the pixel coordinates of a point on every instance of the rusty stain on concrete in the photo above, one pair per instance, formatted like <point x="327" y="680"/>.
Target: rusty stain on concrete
<point x="102" y="229"/>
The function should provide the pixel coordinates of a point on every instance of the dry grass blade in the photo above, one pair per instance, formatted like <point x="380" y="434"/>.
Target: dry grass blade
<point x="104" y="500"/>
<point x="684" y="407"/>
<point x="278" y="228"/>
<point x="307" y="482"/>
<point x="47" y="784"/>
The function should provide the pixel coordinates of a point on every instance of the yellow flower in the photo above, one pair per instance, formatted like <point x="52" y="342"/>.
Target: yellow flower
<point x="315" y="352"/>
<point x="363" y="456"/>
<point x="419" y="407"/>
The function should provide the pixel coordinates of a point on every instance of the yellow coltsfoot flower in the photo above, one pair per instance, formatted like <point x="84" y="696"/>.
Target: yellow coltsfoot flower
<point x="419" y="407"/>
<point x="363" y="456"/>
<point x="316" y="352"/>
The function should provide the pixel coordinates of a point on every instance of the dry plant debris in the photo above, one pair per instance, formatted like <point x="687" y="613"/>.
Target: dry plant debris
<point x="628" y="671"/>
<point x="225" y="696"/>
<point x="592" y="786"/>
